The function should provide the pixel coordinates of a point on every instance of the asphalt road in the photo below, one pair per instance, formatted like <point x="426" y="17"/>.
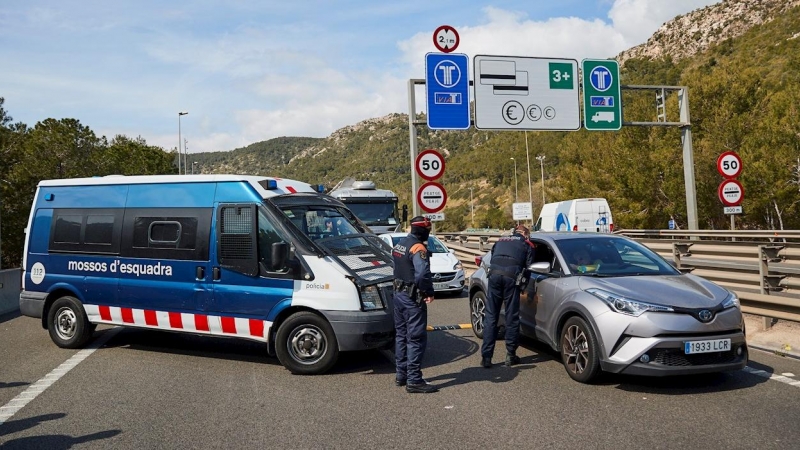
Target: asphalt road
<point x="146" y="389"/>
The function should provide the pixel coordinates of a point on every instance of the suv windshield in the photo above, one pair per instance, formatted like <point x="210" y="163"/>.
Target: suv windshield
<point x="612" y="257"/>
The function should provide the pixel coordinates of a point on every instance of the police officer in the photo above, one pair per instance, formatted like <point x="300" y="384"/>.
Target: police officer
<point x="413" y="290"/>
<point x="511" y="256"/>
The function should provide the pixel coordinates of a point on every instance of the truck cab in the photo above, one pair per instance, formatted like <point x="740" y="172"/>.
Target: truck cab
<point x="377" y="208"/>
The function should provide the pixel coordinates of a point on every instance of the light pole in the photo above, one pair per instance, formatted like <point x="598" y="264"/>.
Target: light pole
<point x="182" y="113"/>
<point x="516" y="194"/>
<point x="472" y="208"/>
<point x="541" y="163"/>
<point x="193" y="164"/>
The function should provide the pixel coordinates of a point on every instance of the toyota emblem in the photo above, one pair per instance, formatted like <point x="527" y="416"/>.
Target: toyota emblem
<point x="705" y="315"/>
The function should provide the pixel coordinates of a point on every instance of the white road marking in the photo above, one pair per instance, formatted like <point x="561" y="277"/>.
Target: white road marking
<point x="15" y="404"/>
<point x="772" y="376"/>
<point x="787" y="374"/>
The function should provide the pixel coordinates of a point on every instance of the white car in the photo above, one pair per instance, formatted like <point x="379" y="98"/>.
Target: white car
<point x="448" y="274"/>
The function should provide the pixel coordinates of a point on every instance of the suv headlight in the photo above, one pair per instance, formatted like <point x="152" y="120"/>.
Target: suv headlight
<point x="731" y="302"/>
<point x="624" y="305"/>
<point x="371" y="298"/>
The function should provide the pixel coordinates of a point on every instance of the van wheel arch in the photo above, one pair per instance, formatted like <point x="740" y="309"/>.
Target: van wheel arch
<point x="279" y="319"/>
<point x="51" y="298"/>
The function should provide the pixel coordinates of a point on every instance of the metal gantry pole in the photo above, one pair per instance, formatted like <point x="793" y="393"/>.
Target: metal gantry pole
<point x="412" y="135"/>
<point x="688" y="159"/>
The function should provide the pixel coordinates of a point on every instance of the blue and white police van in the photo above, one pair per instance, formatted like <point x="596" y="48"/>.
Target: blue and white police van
<point x="222" y="255"/>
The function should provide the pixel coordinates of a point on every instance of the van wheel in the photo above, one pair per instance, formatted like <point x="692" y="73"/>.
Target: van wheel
<point x="67" y="323"/>
<point x="306" y="345"/>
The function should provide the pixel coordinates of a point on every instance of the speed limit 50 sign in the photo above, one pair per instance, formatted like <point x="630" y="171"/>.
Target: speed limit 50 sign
<point x="729" y="165"/>
<point x="430" y="165"/>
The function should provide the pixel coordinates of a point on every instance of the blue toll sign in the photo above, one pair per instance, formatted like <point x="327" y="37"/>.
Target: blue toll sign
<point x="447" y="91"/>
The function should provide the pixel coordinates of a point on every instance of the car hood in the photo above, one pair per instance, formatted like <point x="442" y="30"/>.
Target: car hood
<point x="442" y="262"/>
<point x="683" y="291"/>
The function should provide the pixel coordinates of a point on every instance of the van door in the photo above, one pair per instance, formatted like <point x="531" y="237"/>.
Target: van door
<point x="245" y="281"/>
<point x="584" y="216"/>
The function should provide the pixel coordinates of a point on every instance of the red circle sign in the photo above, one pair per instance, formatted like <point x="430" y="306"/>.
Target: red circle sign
<point x="446" y="39"/>
<point x="430" y="164"/>
<point x="729" y="165"/>
<point x="431" y="197"/>
<point x="731" y="192"/>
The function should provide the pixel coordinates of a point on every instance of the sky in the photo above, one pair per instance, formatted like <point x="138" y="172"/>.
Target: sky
<point x="248" y="71"/>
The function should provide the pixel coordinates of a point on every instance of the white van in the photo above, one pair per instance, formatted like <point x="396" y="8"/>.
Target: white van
<point x="580" y="214"/>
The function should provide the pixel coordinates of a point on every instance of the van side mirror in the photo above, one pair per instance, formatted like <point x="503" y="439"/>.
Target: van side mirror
<point x="278" y="256"/>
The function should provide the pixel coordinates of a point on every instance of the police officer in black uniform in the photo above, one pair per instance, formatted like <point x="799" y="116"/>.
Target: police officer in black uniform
<point x="511" y="256"/>
<point x="413" y="290"/>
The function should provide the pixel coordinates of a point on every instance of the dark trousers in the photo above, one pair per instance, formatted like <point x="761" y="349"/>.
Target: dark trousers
<point x="411" y="337"/>
<point x="502" y="291"/>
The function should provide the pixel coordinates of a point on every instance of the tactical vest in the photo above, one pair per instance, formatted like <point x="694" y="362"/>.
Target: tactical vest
<point x="403" y="265"/>
<point x="508" y="255"/>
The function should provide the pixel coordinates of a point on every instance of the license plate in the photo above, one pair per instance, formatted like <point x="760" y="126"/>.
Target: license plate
<point x="714" y="345"/>
<point x="440" y="286"/>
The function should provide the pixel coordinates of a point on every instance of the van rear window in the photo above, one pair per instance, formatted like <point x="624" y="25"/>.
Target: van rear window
<point x="68" y="229"/>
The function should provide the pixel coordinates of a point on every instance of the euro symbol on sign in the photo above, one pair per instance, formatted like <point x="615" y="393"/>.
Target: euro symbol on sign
<point x="513" y="112"/>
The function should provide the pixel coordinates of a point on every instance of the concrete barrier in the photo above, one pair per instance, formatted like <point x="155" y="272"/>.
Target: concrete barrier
<point x="9" y="290"/>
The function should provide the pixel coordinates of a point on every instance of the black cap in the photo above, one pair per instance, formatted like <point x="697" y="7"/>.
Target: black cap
<point x="421" y="221"/>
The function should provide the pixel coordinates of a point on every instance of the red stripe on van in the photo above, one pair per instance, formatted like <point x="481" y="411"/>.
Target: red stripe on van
<point x="150" y="318"/>
<point x="228" y="325"/>
<point x="200" y="322"/>
<point x="256" y="328"/>
<point x="291" y="189"/>
<point x="127" y="315"/>
<point x="105" y="312"/>
<point x="175" y="320"/>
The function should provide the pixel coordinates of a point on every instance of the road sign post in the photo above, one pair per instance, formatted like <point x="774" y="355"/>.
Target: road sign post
<point x="520" y="93"/>
<point x="447" y="91"/>
<point x="602" y="99"/>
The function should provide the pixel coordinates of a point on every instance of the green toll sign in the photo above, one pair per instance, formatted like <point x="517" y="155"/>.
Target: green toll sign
<point x="602" y="100"/>
<point x="561" y="76"/>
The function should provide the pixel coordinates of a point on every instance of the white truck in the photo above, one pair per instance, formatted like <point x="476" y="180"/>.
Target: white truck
<point x="377" y="208"/>
<point x="580" y="214"/>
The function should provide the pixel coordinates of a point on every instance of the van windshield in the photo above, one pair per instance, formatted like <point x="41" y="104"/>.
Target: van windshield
<point x="322" y="221"/>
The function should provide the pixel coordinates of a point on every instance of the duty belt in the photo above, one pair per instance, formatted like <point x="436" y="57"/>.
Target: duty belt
<point x="493" y="271"/>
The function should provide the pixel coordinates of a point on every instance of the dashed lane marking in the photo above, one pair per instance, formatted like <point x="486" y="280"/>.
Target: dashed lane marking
<point x="772" y="376"/>
<point x="15" y="404"/>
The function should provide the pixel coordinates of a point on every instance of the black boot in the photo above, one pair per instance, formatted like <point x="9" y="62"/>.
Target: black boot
<point x="512" y="359"/>
<point x="421" y="388"/>
<point x="486" y="362"/>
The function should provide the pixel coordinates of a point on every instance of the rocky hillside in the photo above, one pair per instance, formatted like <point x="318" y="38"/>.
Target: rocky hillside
<point x="695" y="32"/>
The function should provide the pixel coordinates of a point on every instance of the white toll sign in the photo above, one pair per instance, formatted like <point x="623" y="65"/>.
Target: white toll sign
<point x="522" y="211"/>
<point x="731" y="192"/>
<point x="430" y="165"/>
<point x="729" y="165"/>
<point x="432" y="197"/>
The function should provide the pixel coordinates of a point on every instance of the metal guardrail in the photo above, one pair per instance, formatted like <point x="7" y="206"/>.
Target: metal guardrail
<point x="761" y="266"/>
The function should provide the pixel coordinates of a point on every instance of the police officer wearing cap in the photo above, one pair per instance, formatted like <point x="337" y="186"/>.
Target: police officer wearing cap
<point x="511" y="256"/>
<point x="413" y="290"/>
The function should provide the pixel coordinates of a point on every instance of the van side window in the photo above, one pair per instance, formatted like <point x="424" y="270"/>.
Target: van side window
<point x="86" y="231"/>
<point x="165" y="232"/>
<point x="175" y="233"/>
<point x="267" y="235"/>
<point x="99" y="229"/>
<point x="68" y="229"/>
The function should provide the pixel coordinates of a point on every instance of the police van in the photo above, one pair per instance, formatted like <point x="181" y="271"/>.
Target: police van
<point x="219" y="255"/>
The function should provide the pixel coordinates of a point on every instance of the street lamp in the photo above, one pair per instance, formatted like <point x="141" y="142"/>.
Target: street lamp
<point x="182" y="113"/>
<point x="516" y="194"/>
<point x="541" y="163"/>
<point x="193" y="164"/>
<point x="472" y="207"/>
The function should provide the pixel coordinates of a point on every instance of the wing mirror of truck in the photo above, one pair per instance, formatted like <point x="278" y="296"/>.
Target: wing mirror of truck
<point x="405" y="214"/>
<point x="279" y="256"/>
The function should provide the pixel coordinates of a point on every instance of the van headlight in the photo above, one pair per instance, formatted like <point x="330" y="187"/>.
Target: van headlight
<point x="371" y="298"/>
<point x="457" y="266"/>
<point x="731" y="302"/>
<point x="624" y="305"/>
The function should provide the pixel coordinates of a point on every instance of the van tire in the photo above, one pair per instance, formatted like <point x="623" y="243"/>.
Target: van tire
<point x="306" y="344"/>
<point x="67" y="323"/>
